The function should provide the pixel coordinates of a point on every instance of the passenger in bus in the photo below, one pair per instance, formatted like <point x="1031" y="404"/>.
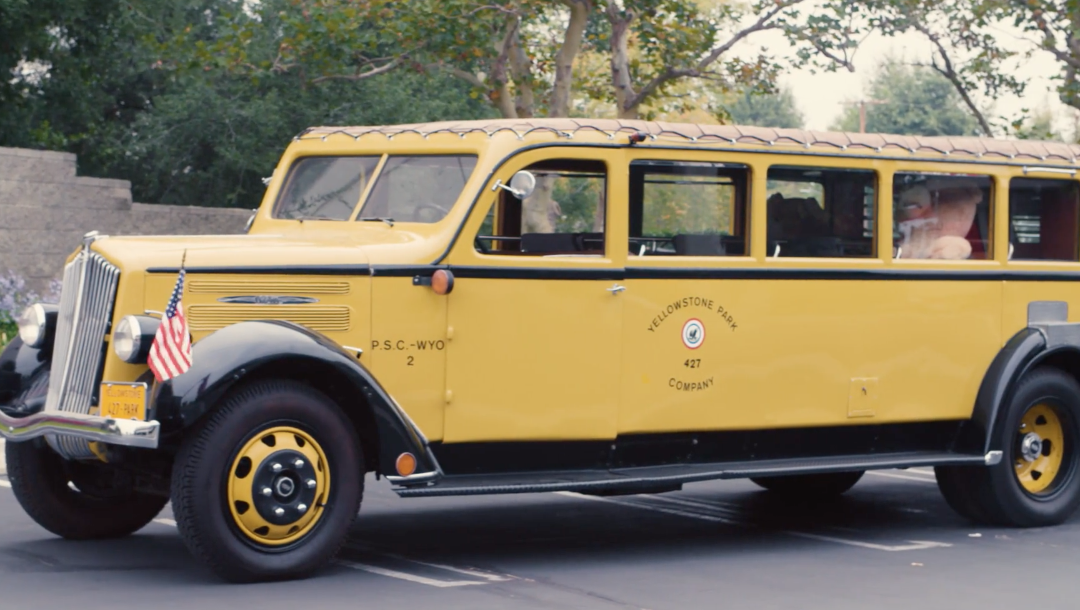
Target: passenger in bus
<point x="934" y="220"/>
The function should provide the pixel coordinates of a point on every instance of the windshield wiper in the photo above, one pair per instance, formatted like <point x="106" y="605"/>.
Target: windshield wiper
<point x="389" y="221"/>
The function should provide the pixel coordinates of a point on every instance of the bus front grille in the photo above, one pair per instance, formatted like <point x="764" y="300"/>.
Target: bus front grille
<point x="86" y="303"/>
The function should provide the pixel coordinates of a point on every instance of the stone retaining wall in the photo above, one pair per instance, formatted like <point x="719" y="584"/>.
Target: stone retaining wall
<point x="45" y="209"/>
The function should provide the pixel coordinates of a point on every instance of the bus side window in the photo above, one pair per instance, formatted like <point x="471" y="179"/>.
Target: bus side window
<point x="942" y="216"/>
<point x="564" y="215"/>
<point x="820" y="212"/>
<point x="1044" y="218"/>
<point x="688" y="208"/>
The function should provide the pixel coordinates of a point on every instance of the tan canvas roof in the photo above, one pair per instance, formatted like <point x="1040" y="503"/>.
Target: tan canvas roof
<point x="1020" y="150"/>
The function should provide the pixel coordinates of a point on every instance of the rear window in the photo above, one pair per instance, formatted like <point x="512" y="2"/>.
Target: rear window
<point x="324" y="188"/>
<point x="418" y="189"/>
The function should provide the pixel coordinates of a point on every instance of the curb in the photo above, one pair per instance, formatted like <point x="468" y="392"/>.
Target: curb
<point x="3" y="460"/>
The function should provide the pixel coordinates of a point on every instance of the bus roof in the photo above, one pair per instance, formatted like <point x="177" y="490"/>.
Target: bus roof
<point x="723" y="136"/>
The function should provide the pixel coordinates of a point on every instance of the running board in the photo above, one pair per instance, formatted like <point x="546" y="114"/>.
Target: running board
<point x="648" y="478"/>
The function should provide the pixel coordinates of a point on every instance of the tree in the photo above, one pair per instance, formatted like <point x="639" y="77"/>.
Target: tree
<point x="765" y="110"/>
<point x="1052" y="27"/>
<point x="519" y="55"/>
<point x="200" y="135"/>
<point x="965" y="46"/>
<point x="911" y="100"/>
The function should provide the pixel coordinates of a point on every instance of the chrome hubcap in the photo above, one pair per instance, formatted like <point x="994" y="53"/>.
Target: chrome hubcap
<point x="1031" y="446"/>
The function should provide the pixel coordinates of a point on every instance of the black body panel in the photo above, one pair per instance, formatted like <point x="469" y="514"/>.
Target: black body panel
<point x="649" y="450"/>
<point x="237" y="352"/>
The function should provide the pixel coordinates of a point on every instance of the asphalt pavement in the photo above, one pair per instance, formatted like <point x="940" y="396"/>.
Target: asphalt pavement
<point x="889" y="543"/>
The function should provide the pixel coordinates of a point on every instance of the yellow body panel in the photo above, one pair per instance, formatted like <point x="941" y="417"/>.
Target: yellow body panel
<point x="407" y="350"/>
<point x="780" y="354"/>
<point x="531" y="358"/>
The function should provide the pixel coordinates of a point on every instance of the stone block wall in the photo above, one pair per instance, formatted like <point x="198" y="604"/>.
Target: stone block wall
<point x="45" y="209"/>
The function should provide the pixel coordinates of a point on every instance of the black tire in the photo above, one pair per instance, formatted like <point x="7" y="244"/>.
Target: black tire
<point x="103" y="506"/>
<point x="810" y="486"/>
<point x="994" y="495"/>
<point x="954" y="482"/>
<point x="203" y="471"/>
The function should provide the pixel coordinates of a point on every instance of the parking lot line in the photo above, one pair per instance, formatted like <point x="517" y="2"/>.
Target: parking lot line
<point x="906" y="477"/>
<point x="707" y="511"/>
<point x="431" y="582"/>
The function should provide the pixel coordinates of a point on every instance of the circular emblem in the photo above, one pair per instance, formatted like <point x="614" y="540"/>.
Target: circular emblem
<point x="693" y="333"/>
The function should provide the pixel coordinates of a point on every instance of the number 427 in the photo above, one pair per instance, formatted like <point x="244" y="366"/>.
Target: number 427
<point x="693" y="363"/>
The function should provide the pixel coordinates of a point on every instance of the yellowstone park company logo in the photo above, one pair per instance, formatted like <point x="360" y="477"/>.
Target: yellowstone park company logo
<point x="693" y="333"/>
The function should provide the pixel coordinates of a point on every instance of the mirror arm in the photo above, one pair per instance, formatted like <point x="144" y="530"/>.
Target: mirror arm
<point x="499" y="185"/>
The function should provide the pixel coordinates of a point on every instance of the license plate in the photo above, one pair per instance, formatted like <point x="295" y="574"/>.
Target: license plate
<point x="123" y="400"/>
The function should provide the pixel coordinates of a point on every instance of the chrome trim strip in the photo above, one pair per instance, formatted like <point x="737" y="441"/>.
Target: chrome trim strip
<point x="413" y="479"/>
<point x="126" y="432"/>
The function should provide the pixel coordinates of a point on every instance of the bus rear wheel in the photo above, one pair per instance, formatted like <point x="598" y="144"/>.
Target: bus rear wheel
<point x="809" y="486"/>
<point x="1037" y="482"/>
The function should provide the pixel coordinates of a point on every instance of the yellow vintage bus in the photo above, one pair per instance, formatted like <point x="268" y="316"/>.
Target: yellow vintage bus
<point x="608" y="307"/>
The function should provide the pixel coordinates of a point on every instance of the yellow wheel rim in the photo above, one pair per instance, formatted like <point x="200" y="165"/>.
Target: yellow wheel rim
<point x="277" y="485"/>
<point x="1040" y="448"/>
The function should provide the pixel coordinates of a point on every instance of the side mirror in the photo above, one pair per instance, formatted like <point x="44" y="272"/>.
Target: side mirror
<point x="521" y="185"/>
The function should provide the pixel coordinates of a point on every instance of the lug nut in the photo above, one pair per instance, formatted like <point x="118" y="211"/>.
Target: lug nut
<point x="298" y="463"/>
<point x="311" y="483"/>
<point x="266" y="491"/>
<point x="275" y="467"/>
<point x="279" y="511"/>
<point x="301" y="507"/>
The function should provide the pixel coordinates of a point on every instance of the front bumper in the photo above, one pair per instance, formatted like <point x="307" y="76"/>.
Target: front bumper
<point x="126" y="432"/>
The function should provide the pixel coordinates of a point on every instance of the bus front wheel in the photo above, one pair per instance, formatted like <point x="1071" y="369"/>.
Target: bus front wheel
<point x="1037" y="482"/>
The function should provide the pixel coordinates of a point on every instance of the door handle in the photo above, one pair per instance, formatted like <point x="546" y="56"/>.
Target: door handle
<point x="616" y="289"/>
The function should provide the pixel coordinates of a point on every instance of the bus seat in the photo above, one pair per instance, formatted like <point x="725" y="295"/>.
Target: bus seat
<point x="699" y="245"/>
<point x="547" y="243"/>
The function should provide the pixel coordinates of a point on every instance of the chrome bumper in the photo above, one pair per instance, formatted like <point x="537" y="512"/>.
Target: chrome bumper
<point x="126" y="432"/>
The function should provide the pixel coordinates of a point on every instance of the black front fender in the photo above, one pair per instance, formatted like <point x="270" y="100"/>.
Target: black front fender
<point x="23" y="378"/>
<point x="232" y="354"/>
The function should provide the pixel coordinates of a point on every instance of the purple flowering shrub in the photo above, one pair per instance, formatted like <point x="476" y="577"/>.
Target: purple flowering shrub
<point x="15" y="296"/>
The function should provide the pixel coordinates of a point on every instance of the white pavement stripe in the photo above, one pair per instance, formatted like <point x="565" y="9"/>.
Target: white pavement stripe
<point x="658" y="509"/>
<point x="913" y="545"/>
<point x="431" y="582"/>
<point x="478" y="574"/>
<point x="709" y="513"/>
<point x="893" y="475"/>
<point x="5" y="484"/>
<point x="165" y="521"/>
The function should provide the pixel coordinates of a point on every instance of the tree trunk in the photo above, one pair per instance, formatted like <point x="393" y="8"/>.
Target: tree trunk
<point x="620" y="63"/>
<point x="564" y="61"/>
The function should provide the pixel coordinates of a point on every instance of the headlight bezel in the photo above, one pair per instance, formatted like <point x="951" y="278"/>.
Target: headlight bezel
<point x="37" y="325"/>
<point x="133" y="336"/>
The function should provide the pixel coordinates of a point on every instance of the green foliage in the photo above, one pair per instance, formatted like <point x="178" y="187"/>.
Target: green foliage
<point x="911" y="101"/>
<point x="765" y="109"/>
<point x="177" y="96"/>
<point x="675" y="204"/>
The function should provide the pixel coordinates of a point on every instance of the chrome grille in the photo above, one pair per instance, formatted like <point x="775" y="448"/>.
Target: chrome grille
<point x="86" y="303"/>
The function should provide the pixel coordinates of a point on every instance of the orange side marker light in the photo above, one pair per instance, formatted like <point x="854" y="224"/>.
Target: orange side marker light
<point x="442" y="281"/>
<point x="406" y="464"/>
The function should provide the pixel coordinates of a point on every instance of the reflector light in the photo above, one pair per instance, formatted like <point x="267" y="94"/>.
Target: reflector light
<point x="406" y="464"/>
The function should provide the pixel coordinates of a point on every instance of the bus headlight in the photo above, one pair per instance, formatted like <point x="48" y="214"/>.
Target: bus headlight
<point x="133" y="337"/>
<point x="37" y="325"/>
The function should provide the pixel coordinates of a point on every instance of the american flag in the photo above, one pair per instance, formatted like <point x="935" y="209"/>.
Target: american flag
<point x="170" y="354"/>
